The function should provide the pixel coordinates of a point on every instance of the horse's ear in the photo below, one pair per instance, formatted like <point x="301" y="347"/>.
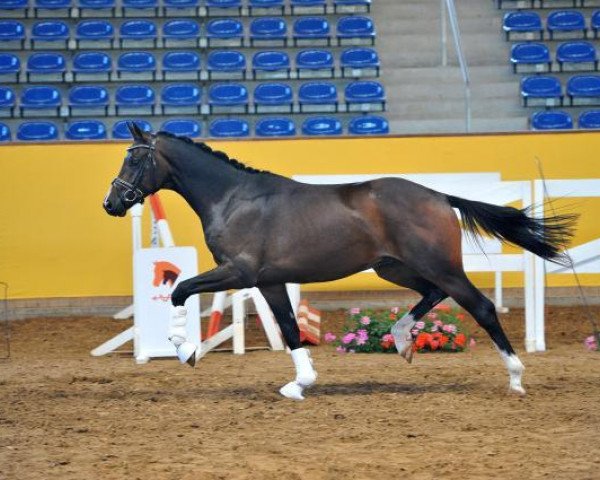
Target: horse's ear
<point x="131" y="126"/>
<point x="136" y="131"/>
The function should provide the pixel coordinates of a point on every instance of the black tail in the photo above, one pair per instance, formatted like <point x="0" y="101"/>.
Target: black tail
<point x="546" y="237"/>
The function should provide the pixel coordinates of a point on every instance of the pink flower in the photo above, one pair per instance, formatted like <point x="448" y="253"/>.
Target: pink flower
<point x="439" y="323"/>
<point x="472" y="343"/>
<point x="354" y="311"/>
<point x="394" y="309"/>
<point x="434" y="328"/>
<point x="449" y="328"/>
<point x="340" y="350"/>
<point x="388" y="337"/>
<point x="420" y="325"/>
<point x="365" y="320"/>
<point x="415" y="331"/>
<point x="346" y="339"/>
<point x="590" y="343"/>
<point x="329" y="337"/>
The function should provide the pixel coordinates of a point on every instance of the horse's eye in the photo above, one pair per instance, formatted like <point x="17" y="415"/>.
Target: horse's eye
<point x="134" y="161"/>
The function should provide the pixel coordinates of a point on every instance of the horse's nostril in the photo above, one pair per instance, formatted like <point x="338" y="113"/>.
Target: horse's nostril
<point x="107" y="205"/>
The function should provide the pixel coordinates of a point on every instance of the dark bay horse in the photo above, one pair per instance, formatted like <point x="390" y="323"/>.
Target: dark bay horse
<point x="265" y="230"/>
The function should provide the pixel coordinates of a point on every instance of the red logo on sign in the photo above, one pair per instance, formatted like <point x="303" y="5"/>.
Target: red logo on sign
<point x="165" y="273"/>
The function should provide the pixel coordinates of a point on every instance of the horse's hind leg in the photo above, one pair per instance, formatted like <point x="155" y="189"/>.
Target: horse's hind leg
<point x="279" y="301"/>
<point x="401" y="275"/>
<point x="458" y="286"/>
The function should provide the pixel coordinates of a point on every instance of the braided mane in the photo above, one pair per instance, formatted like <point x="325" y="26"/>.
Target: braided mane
<point x="222" y="156"/>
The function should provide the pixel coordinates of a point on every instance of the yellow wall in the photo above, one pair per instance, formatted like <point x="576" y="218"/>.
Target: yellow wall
<point x="56" y="241"/>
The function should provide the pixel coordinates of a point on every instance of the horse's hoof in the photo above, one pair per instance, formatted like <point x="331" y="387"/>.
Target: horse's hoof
<point x="292" y="391"/>
<point x="407" y="353"/>
<point x="186" y="352"/>
<point x="519" y="391"/>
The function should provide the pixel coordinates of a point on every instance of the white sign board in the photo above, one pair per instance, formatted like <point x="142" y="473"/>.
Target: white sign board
<point x="157" y="271"/>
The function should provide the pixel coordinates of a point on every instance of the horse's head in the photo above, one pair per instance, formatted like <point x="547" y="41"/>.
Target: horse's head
<point x="140" y="175"/>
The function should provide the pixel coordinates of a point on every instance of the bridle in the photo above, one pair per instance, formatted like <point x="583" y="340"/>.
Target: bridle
<point x="131" y="192"/>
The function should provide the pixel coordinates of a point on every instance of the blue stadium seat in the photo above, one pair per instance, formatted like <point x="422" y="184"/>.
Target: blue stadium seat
<point x="595" y="23"/>
<point x="94" y="33"/>
<point x="225" y="32"/>
<point x="551" y="120"/>
<point x="318" y="97"/>
<point x="270" y="64"/>
<point x="226" y="65"/>
<point x="183" y="127"/>
<point x="352" y="6"/>
<point x="273" y="98"/>
<point x="268" y="31"/>
<point x="541" y="90"/>
<point x="14" y="8"/>
<point x="89" y="100"/>
<point x="310" y="7"/>
<point x="311" y="31"/>
<point x="566" y="24"/>
<point x="180" y="8"/>
<point x="136" y="65"/>
<point x="5" y="135"/>
<point x="521" y="25"/>
<point x="52" y="8"/>
<point x="7" y="102"/>
<point x="134" y="100"/>
<point x="355" y="30"/>
<point x="365" y="96"/>
<point x="138" y="33"/>
<point x="181" y="65"/>
<point x="229" y="128"/>
<point x="85" y="130"/>
<point x="10" y="67"/>
<point x="37" y="131"/>
<point x="139" y="8"/>
<point x="314" y="64"/>
<point x="589" y="119"/>
<point x="12" y="34"/>
<point x="92" y="66"/>
<point x="359" y="62"/>
<point x="584" y="90"/>
<point x="120" y="130"/>
<point x="228" y="98"/>
<point x="181" y="98"/>
<point x="576" y="55"/>
<point x="313" y="126"/>
<point x="50" y="34"/>
<point x="275" y="127"/>
<point x="368" y="125"/>
<point x="46" y="67"/>
<point x="181" y="33"/>
<point x="530" y="57"/>
<point x="96" y="8"/>
<point x="265" y="7"/>
<point x="224" y="7"/>
<point x="42" y="101"/>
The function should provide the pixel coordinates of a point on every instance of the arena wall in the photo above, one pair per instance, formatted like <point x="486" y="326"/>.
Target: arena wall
<point x="56" y="240"/>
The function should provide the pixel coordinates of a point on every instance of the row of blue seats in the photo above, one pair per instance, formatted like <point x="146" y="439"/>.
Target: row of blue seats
<point x="547" y="90"/>
<point x="188" y="98"/>
<point x="535" y="57"/>
<point x="560" y="24"/>
<point x="186" y="65"/>
<point x="543" y="4"/>
<point x="68" y="8"/>
<point x="221" y="128"/>
<point x="187" y="33"/>
<point x="559" y="120"/>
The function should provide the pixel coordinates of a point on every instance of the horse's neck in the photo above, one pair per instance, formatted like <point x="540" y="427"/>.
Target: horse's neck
<point x="205" y="182"/>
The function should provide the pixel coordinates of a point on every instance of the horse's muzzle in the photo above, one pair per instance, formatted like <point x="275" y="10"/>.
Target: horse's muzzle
<point x="114" y="208"/>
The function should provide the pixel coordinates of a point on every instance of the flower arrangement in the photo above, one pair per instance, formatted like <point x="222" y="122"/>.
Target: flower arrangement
<point x="368" y="331"/>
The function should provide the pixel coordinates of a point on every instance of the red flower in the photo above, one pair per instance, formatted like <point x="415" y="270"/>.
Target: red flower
<point x="460" y="316"/>
<point x="422" y="340"/>
<point x="442" y="307"/>
<point x="386" y="344"/>
<point x="460" y="339"/>
<point x="443" y="341"/>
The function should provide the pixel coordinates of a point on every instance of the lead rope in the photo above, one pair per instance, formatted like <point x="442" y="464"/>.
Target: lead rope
<point x="586" y="306"/>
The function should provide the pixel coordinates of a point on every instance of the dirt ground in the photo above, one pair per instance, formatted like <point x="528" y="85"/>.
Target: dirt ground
<point x="67" y="415"/>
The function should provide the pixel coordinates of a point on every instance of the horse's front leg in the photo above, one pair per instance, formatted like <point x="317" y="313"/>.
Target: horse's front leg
<point x="224" y="277"/>
<point x="279" y="301"/>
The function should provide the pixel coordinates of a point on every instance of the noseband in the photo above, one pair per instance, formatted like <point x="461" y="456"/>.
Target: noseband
<point x="131" y="192"/>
